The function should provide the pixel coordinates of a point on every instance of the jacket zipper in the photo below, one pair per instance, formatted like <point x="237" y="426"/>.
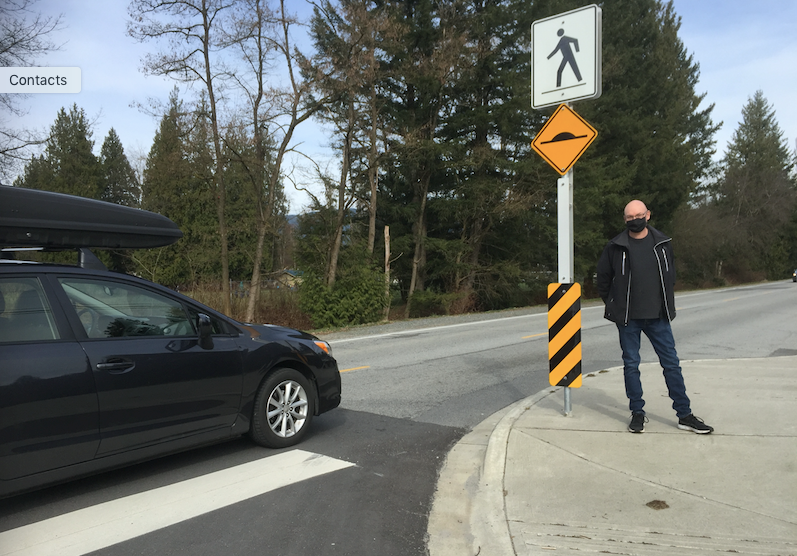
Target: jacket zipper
<point x="628" y="292"/>
<point x="628" y="301"/>
<point x="661" y="276"/>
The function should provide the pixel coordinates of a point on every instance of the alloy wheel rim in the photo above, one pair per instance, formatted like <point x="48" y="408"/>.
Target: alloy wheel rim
<point x="286" y="410"/>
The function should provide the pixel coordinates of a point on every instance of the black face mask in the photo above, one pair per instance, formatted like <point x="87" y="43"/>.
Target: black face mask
<point x="636" y="225"/>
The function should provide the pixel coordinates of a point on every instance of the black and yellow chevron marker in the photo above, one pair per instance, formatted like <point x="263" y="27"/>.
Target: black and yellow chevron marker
<point x="564" y="334"/>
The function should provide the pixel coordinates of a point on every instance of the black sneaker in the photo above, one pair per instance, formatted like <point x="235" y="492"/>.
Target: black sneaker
<point x="694" y="424"/>
<point x="637" y="423"/>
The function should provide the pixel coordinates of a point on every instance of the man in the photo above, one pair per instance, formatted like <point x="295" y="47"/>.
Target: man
<point x="636" y="277"/>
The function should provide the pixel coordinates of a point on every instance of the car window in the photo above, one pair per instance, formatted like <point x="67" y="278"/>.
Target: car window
<point x="109" y="309"/>
<point x="25" y="314"/>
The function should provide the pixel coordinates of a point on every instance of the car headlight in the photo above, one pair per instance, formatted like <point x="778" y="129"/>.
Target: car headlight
<point x="325" y="347"/>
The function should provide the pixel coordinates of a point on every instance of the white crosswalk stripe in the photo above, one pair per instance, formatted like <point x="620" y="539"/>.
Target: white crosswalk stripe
<point x="109" y="523"/>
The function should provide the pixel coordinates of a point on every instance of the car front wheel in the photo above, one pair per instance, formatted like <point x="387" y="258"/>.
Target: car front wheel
<point x="283" y="409"/>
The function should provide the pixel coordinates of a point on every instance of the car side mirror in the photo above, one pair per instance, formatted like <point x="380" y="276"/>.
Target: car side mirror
<point x="205" y="329"/>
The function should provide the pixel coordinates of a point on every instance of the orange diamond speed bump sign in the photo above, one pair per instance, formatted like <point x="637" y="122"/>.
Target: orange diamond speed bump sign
<point x="563" y="139"/>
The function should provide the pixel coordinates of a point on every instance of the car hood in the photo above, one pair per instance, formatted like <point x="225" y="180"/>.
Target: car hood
<point x="274" y="332"/>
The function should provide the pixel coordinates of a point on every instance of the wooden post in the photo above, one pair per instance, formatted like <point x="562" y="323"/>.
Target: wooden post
<point x="387" y="273"/>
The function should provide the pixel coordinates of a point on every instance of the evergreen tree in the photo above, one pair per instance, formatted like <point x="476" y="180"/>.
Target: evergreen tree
<point x="36" y="174"/>
<point x="756" y="196"/>
<point x="167" y="170"/>
<point x="68" y="164"/>
<point x="422" y="64"/>
<point x="742" y="225"/>
<point x="488" y="130"/>
<point x="240" y="166"/>
<point x="120" y="184"/>
<point x="165" y="190"/>
<point x="758" y="143"/>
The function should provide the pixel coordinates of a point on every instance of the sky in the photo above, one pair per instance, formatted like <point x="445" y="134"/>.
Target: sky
<point x="741" y="46"/>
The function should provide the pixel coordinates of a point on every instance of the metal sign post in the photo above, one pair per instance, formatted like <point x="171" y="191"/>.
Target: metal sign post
<point x="564" y="209"/>
<point x="566" y="62"/>
<point x="564" y="218"/>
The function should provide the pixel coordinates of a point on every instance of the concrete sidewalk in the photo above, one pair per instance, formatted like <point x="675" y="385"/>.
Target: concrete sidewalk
<point x="530" y="481"/>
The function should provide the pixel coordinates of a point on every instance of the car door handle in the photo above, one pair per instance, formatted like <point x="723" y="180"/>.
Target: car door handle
<point x="116" y="366"/>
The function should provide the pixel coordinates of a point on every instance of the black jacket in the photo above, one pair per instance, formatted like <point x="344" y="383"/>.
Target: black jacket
<point x="614" y="275"/>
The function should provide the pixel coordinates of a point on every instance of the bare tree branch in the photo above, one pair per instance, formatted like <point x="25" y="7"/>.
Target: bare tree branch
<point x="192" y="31"/>
<point x="24" y="38"/>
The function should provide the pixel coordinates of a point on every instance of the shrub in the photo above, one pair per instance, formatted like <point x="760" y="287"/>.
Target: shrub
<point x="358" y="297"/>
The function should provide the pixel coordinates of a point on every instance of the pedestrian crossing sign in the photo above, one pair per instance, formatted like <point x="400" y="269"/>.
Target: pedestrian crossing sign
<point x="566" y="57"/>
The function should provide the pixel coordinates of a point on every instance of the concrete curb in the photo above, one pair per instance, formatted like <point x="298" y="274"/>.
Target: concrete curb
<point x="468" y="515"/>
<point x="449" y="529"/>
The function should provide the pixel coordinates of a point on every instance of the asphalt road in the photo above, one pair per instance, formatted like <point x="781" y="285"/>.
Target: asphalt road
<point x="455" y="371"/>
<point x="410" y="391"/>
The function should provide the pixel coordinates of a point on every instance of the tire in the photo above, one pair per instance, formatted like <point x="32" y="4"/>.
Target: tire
<point x="284" y="408"/>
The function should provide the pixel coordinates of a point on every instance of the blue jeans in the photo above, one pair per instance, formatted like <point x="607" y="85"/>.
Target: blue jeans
<point x="659" y="333"/>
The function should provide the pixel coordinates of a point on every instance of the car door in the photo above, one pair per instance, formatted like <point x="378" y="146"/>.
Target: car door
<point x="154" y="381"/>
<point x="49" y="415"/>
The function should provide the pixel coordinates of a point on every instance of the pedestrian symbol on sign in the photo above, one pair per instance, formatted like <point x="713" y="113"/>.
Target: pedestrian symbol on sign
<point x="567" y="56"/>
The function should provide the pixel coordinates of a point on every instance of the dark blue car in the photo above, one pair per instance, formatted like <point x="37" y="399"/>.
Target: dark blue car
<point x="100" y="369"/>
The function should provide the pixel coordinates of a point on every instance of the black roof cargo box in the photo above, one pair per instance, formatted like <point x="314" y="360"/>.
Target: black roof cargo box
<point x="33" y="218"/>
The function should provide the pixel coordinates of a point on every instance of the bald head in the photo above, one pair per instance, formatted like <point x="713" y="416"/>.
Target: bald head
<point x="635" y="209"/>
